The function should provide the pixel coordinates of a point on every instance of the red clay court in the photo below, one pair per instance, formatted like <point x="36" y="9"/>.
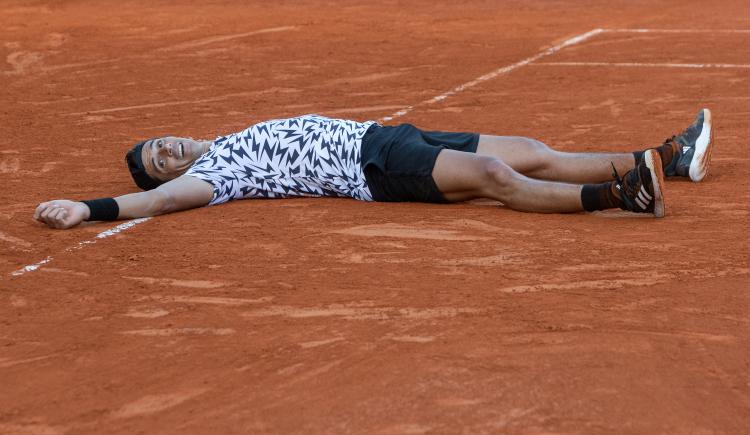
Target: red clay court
<point x="339" y="316"/>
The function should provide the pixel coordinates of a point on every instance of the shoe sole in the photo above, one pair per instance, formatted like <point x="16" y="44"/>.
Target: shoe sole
<point x="702" y="157"/>
<point x="653" y="163"/>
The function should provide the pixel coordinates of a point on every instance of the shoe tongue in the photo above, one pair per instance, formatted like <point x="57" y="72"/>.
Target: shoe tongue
<point x="671" y="152"/>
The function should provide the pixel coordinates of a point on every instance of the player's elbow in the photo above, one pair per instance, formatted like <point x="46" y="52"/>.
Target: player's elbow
<point x="162" y="202"/>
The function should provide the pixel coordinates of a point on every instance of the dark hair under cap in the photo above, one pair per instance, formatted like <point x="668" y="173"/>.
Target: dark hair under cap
<point x="137" y="170"/>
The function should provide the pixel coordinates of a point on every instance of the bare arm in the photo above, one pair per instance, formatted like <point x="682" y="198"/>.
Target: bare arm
<point x="182" y="193"/>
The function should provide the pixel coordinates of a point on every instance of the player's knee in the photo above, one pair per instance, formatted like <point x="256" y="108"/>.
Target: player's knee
<point x="539" y="146"/>
<point x="499" y="176"/>
<point x="544" y="157"/>
<point x="541" y="150"/>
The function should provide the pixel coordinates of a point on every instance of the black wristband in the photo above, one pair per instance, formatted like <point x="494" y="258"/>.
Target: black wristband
<point x="102" y="209"/>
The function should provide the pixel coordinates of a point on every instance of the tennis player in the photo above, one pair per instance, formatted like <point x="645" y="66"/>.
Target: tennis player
<point x="312" y="155"/>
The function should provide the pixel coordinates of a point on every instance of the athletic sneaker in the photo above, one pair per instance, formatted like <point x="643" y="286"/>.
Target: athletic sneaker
<point x="640" y="190"/>
<point x="693" y="150"/>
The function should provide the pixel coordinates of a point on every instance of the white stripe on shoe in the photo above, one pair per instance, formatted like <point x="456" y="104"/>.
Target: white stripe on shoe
<point x="644" y="197"/>
<point x="645" y="193"/>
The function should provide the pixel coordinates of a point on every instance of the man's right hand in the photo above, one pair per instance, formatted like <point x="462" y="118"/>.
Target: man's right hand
<point x="61" y="213"/>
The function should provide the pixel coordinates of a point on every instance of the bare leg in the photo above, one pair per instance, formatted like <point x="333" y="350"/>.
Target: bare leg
<point x="463" y="176"/>
<point x="536" y="160"/>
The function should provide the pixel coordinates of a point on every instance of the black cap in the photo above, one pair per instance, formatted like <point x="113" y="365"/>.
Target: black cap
<point x="138" y="171"/>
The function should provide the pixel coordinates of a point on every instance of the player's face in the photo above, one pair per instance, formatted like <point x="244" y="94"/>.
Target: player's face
<point x="169" y="157"/>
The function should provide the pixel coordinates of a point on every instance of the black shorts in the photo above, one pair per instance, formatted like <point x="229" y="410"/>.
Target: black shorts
<point x="398" y="161"/>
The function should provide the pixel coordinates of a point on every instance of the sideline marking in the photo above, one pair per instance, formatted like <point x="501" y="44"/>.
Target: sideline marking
<point x="678" y="30"/>
<point x="222" y="38"/>
<point x="646" y="64"/>
<point x="103" y="235"/>
<point x="503" y="70"/>
<point x="164" y="104"/>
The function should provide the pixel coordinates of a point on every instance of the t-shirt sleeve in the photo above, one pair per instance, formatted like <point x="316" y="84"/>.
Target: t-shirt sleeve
<point x="211" y="168"/>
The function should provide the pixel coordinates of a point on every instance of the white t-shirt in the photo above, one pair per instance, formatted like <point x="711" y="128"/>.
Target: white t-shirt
<point x="310" y="155"/>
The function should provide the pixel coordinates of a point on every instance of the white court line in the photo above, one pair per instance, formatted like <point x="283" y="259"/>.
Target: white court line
<point x="678" y="30"/>
<point x="497" y="72"/>
<point x="164" y="104"/>
<point x="402" y="112"/>
<point x="646" y="64"/>
<point x="213" y="39"/>
<point x="103" y="235"/>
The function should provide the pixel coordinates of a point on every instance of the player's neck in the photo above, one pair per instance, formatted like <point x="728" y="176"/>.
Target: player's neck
<point x="205" y="145"/>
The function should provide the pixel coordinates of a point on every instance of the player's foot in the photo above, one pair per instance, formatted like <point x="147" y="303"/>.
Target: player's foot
<point x="692" y="149"/>
<point x="640" y="190"/>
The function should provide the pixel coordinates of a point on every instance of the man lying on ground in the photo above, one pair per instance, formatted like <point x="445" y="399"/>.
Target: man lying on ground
<point x="316" y="156"/>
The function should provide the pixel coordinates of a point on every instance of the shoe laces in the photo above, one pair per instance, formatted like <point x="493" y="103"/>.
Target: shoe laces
<point x="627" y="191"/>
<point x="616" y="176"/>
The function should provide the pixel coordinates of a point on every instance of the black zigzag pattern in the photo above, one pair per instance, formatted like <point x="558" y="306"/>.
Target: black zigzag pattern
<point x="310" y="155"/>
